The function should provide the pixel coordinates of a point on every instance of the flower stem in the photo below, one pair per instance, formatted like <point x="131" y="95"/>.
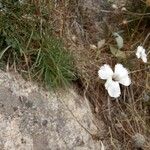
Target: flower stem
<point x="146" y="38"/>
<point x="139" y="70"/>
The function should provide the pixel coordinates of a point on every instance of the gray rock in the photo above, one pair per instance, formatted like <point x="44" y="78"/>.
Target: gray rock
<point x="32" y="118"/>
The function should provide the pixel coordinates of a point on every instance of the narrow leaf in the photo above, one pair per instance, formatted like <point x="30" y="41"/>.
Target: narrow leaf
<point x="2" y="53"/>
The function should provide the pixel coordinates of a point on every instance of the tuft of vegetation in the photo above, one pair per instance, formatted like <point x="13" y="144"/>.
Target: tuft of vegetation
<point x="53" y="64"/>
<point x="29" y="45"/>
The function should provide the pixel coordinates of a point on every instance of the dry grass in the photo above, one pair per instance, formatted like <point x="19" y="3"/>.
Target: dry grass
<point x="80" y="27"/>
<point x="129" y="114"/>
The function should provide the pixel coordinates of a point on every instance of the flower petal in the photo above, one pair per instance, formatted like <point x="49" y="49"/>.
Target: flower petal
<point x="120" y="71"/>
<point x="113" y="88"/>
<point x="105" y="72"/>
<point x="141" y="54"/>
<point x="144" y="58"/>
<point x="126" y="81"/>
<point x="140" y="49"/>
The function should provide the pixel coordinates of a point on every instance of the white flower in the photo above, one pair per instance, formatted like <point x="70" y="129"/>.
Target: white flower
<point x="140" y="53"/>
<point x="120" y="75"/>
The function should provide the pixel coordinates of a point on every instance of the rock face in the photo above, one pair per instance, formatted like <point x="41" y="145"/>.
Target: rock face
<point x="34" y="119"/>
<point x="96" y="18"/>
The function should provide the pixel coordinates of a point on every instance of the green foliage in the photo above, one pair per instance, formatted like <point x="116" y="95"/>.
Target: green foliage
<point x="27" y="43"/>
<point x="53" y="63"/>
<point x="119" y="40"/>
<point x="115" y="50"/>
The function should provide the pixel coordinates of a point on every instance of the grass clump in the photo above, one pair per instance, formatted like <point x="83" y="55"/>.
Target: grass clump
<point x="53" y="64"/>
<point x="28" y="43"/>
